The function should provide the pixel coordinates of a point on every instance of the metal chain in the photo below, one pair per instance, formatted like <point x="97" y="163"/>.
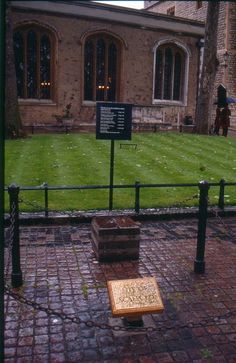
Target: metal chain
<point x="42" y="208"/>
<point x="11" y="236"/>
<point x="194" y="196"/>
<point x="32" y="204"/>
<point x="215" y="211"/>
<point x="227" y="229"/>
<point x="90" y="323"/>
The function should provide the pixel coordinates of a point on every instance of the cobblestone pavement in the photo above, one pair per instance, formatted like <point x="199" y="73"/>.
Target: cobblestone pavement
<point x="60" y="271"/>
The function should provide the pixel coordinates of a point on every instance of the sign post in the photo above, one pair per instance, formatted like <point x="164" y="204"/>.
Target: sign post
<point x="111" y="174"/>
<point x="113" y="122"/>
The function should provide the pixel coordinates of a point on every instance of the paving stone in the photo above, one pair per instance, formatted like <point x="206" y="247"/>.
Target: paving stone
<point x="180" y="356"/>
<point x="10" y="352"/>
<point x="146" y="359"/>
<point x="60" y="271"/>
<point x="24" y="351"/>
<point x="57" y="358"/>
<point x="164" y="358"/>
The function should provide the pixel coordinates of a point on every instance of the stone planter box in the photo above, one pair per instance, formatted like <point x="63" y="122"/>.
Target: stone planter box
<point x="115" y="238"/>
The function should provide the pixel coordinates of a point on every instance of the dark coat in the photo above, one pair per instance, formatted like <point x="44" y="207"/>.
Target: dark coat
<point x="225" y="117"/>
<point x="217" y="119"/>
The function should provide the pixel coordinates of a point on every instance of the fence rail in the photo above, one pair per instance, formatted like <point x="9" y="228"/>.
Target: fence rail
<point x="137" y="186"/>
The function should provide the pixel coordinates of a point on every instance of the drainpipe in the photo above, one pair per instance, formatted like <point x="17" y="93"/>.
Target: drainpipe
<point x="200" y="46"/>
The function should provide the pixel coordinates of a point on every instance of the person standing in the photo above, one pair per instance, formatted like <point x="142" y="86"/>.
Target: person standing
<point x="225" y="119"/>
<point x="217" y="122"/>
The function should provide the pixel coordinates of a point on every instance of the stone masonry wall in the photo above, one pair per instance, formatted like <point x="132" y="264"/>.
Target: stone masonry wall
<point x="231" y="80"/>
<point x="226" y="38"/>
<point x="226" y="73"/>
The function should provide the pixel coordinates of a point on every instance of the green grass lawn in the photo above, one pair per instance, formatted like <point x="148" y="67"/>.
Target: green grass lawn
<point x="80" y="159"/>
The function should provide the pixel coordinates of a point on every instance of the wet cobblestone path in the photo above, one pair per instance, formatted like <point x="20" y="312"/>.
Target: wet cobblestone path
<point x="60" y="271"/>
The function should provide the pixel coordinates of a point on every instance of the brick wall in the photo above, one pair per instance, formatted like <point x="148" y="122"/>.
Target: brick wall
<point x="136" y="65"/>
<point x="185" y="9"/>
<point x="148" y="3"/>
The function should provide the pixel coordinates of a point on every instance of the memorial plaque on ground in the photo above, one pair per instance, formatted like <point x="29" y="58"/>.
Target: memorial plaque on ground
<point x="134" y="297"/>
<point x="114" y="121"/>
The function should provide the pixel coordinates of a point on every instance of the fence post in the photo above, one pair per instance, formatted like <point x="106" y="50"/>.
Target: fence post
<point x="45" y="185"/>
<point x="137" y="194"/>
<point x="221" y="202"/>
<point x="199" y="263"/>
<point x="16" y="275"/>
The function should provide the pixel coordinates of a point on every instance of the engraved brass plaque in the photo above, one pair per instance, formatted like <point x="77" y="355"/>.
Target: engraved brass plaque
<point x="133" y="297"/>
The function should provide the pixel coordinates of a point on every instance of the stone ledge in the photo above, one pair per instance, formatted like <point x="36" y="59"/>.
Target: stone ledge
<point x="38" y="218"/>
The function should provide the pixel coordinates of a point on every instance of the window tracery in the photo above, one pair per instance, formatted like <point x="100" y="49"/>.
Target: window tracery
<point x="169" y="73"/>
<point x="101" y="72"/>
<point x="33" y="49"/>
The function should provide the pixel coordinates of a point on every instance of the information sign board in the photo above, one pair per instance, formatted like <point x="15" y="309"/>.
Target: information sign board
<point x="114" y="121"/>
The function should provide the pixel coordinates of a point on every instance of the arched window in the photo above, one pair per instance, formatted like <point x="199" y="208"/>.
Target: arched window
<point x="33" y="49"/>
<point x="101" y="68"/>
<point x="169" y="73"/>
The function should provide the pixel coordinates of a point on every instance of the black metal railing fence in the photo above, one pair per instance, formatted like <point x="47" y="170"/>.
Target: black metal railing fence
<point x="203" y="204"/>
<point x="16" y="275"/>
<point x="137" y="187"/>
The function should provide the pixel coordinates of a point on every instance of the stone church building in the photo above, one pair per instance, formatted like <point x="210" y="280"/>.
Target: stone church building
<point x="69" y="55"/>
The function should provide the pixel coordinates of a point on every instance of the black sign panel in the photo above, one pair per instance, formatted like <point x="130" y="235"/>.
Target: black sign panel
<point x="114" y="121"/>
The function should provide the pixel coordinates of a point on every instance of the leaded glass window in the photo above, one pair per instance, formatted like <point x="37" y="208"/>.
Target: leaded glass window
<point x="169" y="73"/>
<point x="19" y="63"/>
<point x="33" y="61"/>
<point x="101" y="68"/>
<point x="112" y="72"/>
<point x="45" y="69"/>
<point x="88" y="70"/>
<point x="31" y="65"/>
<point x="177" y="76"/>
